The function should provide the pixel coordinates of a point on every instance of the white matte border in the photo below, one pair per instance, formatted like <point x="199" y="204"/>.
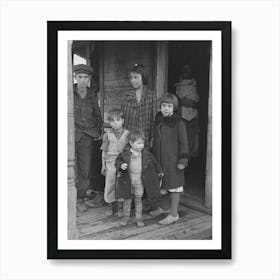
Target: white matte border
<point x="255" y="103"/>
<point x="63" y="37"/>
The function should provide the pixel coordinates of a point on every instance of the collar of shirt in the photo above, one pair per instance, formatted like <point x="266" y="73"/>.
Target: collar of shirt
<point x="78" y="95"/>
<point x="133" y="96"/>
<point x="119" y="133"/>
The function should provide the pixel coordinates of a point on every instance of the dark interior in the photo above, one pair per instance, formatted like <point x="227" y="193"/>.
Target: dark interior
<point x="197" y="55"/>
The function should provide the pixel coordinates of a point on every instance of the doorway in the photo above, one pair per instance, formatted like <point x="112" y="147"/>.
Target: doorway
<point x="196" y="54"/>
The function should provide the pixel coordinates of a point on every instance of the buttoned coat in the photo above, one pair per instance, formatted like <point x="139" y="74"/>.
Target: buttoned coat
<point x="170" y="147"/>
<point x="150" y="175"/>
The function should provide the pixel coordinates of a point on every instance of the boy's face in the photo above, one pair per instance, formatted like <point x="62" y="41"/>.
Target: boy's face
<point x="116" y="123"/>
<point x="137" y="145"/>
<point x="167" y="109"/>
<point x="82" y="79"/>
<point x="136" y="80"/>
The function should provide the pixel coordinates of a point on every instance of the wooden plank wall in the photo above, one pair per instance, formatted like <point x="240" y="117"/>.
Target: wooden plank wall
<point x="161" y="68"/>
<point x="119" y="57"/>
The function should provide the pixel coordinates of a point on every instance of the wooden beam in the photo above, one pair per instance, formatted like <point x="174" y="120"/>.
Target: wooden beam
<point x="208" y="177"/>
<point x="101" y="79"/>
<point x="161" y="70"/>
<point x="72" y="192"/>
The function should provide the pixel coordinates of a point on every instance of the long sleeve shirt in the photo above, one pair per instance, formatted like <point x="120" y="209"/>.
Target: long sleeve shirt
<point x="87" y="115"/>
<point x="140" y="115"/>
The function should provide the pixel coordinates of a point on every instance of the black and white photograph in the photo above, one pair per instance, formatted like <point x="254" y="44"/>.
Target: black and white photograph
<point x="141" y="125"/>
<point x="139" y="138"/>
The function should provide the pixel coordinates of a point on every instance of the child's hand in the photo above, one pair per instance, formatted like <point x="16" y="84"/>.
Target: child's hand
<point x="163" y="191"/>
<point x="124" y="166"/>
<point x="180" y="166"/>
<point x="103" y="170"/>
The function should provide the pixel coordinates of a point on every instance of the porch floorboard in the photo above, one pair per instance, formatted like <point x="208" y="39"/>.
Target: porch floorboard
<point x="192" y="225"/>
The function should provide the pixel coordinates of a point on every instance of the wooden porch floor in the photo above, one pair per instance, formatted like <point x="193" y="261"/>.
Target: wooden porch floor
<point x="192" y="225"/>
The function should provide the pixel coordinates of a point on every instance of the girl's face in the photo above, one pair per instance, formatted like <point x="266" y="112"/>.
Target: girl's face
<point x="137" y="145"/>
<point x="116" y="123"/>
<point x="167" y="109"/>
<point x="136" y="80"/>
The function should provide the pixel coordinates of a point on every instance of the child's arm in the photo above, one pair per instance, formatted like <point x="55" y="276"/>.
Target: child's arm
<point x="183" y="145"/>
<point x="104" y="148"/>
<point x="154" y="113"/>
<point x="156" y="164"/>
<point x="120" y="163"/>
<point x="103" y="168"/>
<point x="97" y="114"/>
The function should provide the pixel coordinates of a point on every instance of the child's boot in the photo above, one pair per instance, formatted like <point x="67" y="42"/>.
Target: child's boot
<point x="126" y="212"/>
<point x="81" y="207"/>
<point x="109" y="210"/>
<point x="138" y="211"/>
<point x="120" y="209"/>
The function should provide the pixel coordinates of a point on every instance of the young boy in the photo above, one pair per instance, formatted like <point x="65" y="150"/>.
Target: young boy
<point x="114" y="141"/>
<point x="138" y="171"/>
<point x="88" y="126"/>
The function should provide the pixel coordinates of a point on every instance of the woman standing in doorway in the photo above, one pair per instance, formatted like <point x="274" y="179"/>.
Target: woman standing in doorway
<point x="139" y="105"/>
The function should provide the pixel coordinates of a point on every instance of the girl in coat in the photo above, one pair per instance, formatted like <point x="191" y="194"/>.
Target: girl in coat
<point x="138" y="172"/>
<point x="171" y="150"/>
<point x="114" y="141"/>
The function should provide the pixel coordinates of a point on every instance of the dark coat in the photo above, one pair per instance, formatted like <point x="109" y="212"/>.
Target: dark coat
<point x="87" y="115"/>
<point x="170" y="147"/>
<point x="150" y="175"/>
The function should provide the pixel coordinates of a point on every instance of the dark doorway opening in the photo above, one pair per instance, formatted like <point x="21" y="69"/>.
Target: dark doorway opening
<point x="197" y="55"/>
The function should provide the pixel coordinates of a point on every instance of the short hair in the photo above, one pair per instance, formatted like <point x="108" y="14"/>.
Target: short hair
<point x="139" y="69"/>
<point x="135" y="135"/>
<point x="169" y="98"/>
<point x="115" y="113"/>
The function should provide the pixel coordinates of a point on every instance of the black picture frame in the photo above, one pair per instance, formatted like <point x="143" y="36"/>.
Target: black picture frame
<point x="53" y="27"/>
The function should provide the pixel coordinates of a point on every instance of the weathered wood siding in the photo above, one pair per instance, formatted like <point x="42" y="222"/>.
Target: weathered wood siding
<point x="119" y="57"/>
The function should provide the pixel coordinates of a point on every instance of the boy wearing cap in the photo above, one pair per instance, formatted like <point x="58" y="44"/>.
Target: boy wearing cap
<point x="88" y="127"/>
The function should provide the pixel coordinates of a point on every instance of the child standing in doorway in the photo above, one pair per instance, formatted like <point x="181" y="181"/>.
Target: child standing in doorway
<point x="138" y="172"/>
<point x="171" y="150"/>
<point x="88" y="128"/>
<point x="114" y="141"/>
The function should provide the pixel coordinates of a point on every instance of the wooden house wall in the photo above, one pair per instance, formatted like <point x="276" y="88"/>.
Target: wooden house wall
<point x="119" y="57"/>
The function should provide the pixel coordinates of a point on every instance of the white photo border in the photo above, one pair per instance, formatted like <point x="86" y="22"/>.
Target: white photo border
<point x="216" y="243"/>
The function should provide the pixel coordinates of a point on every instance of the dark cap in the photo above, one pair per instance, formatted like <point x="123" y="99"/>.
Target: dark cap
<point x="82" y="68"/>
